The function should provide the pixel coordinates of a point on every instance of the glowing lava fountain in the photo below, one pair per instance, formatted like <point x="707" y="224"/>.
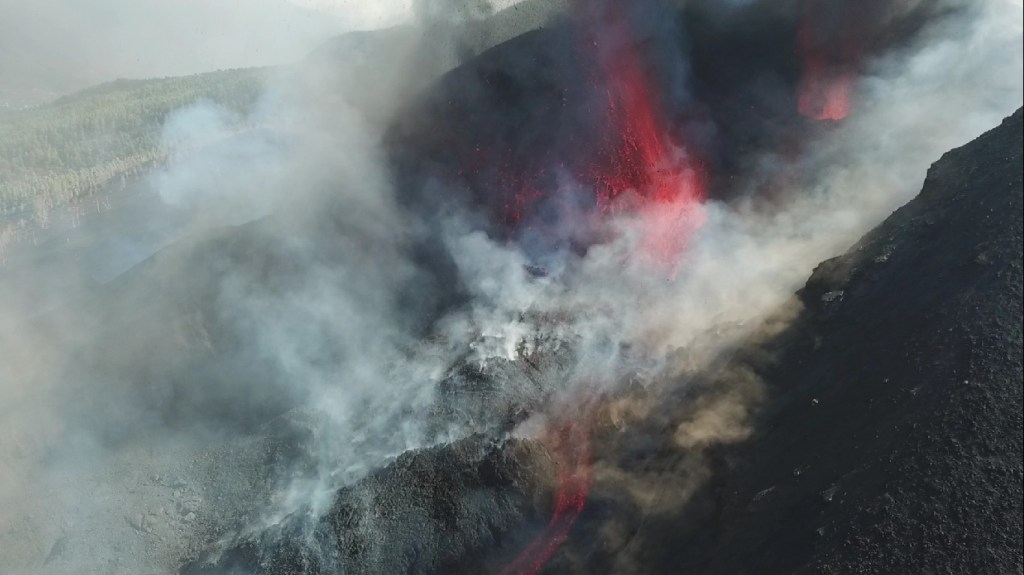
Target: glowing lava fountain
<point x="641" y="169"/>
<point x="828" y="75"/>
<point x="636" y="169"/>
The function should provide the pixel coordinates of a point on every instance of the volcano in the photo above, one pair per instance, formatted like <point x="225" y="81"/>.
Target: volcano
<point x="549" y="311"/>
<point x="882" y="406"/>
<point x="615" y="147"/>
<point x="890" y="437"/>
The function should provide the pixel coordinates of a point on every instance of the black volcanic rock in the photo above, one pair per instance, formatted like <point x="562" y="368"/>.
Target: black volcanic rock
<point x="526" y="116"/>
<point x="427" y="512"/>
<point x="891" y="441"/>
<point x="895" y="443"/>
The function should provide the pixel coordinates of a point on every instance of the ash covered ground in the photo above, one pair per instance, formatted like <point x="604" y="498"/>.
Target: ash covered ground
<point x="528" y="293"/>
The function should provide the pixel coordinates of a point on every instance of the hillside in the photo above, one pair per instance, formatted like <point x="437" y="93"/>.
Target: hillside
<point x="50" y="48"/>
<point x="53" y="155"/>
<point x="890" y="441"/>
<point x="346" y="356"/>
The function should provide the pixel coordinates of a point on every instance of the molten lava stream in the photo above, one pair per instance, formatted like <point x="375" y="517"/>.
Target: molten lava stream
<point x="827" y="78"/>
<point x="639" y="156"/>
<point x="641" y="165"/>
<point x="637" y="169"/>
<point x="569" y="443"/>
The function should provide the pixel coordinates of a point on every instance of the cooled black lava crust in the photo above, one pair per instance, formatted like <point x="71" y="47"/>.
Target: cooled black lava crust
<point x="891" y="441"/>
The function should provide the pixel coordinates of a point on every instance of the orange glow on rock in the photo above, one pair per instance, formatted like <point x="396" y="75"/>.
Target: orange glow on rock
<point x="644" y="171"/>
<point x="569" y="444"/>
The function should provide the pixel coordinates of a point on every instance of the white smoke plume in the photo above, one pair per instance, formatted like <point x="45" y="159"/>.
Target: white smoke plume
<point x="751" y="254"/>
<point x="140" y="428"/>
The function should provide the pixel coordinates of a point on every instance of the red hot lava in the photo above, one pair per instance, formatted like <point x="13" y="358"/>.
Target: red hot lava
<point x="642" y="169"/>
<point x="569" y="443"/>
<point x="641" y="158"/>
<point x="633" y="167"/>
<point x="828" y="71"/>
<point x="639" y="170"/>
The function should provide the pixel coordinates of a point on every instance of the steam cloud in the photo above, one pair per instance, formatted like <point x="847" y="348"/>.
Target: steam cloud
<point x="164" y="413"/>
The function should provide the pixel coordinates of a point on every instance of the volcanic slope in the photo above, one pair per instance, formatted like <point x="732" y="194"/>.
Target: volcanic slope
<point x="890" y="440"/>
<point x="424" y="513"/>
<point x="891" y="437"/>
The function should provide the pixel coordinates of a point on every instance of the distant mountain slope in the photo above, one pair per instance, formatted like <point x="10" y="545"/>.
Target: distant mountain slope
<point x="54" y="47"/>
<point x="55" y="154"/>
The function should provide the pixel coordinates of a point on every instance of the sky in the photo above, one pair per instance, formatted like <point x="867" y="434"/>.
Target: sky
<point x="371" y="14"/>
<point x="52" y="47"/>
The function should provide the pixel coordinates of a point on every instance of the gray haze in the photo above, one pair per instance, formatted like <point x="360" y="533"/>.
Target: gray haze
<point x="140" y="426"/>
<point x="52" y="47"/>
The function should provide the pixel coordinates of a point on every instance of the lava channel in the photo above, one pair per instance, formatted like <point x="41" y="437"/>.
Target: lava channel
<point x="828" y="72"/>
<point x="569" y="444"/>
<point x="638" y="168"/>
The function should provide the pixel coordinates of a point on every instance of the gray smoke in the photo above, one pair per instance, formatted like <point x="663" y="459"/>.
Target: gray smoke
<point x="291" y="342"/>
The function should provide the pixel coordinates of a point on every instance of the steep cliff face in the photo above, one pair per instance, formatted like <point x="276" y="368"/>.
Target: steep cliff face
<point x="891" y="439"/>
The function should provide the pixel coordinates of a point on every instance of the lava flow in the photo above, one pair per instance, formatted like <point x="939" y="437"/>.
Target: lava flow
<point x="637" y="156"/>
<point x="569" y="444"/>
<point x="828" y="76"/>
<point x="635" y="169"/>
<point x="642" y="169"/>
<point x="630" y="165"/>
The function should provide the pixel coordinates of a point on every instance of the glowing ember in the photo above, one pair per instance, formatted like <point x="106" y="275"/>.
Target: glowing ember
<point x="824" y="90"/>
<point x="640" y="159"/>
<point x="642" y="166"/>
<point x="634" y="166"/>
<point x="825" y="93"/>
<point x="636" y="169"/>
<point x="569" y="443"/>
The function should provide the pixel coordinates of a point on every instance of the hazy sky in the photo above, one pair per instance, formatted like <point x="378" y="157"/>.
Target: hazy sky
<point x="369" y="14"/>
<point x="50" y="47"/>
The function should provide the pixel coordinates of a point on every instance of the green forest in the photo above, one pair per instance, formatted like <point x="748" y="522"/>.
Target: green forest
<point x="56" y="154"/>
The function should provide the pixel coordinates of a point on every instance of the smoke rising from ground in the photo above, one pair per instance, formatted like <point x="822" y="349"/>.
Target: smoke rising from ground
<point x="297" y="339"/>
